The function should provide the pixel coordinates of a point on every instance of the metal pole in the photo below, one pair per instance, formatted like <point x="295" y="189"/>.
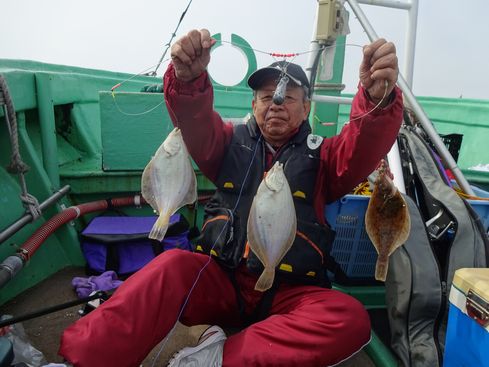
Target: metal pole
<point x="393" y="155"/>
<point x="435" y="139"/>
<point x="388" y="3"/>
<point x="313" y="48"/>
<point x="332" y="99"/>
<point x="418" y="110"/>
<point x="411" y="43"/>
<point x="27" y="218"/>
<point x="372" y="35"/>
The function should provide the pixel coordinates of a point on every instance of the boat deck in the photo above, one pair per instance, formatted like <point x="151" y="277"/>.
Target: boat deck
<point x="44" y="332"/>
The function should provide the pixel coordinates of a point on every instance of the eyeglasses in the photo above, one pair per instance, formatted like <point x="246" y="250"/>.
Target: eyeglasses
<point x="267" y="100"/>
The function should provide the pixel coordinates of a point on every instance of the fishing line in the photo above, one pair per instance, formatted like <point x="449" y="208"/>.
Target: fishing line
<point x="132" y="77"/>
<point x="209" y="258"/>
<point x="127" y="80"/>
<point x="285" y="55"/>
<point x="386" y="84"/>
<point x="274" y="55"/>
<point x="281" y="88"/>
<point x="171" y="39"/>
<point x="137" y="113"/>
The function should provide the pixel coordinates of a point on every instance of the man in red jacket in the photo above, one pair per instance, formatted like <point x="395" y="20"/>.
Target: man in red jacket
<point x="301" y="322"/>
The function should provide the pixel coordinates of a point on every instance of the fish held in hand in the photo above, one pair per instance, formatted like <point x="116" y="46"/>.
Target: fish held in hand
<point x="387" y="220"/>
<point x="272" y="223"/>
<point x="168" y="182"/>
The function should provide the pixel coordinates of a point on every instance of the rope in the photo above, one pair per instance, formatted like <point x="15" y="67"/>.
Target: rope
<point x="30" y="202"/>
<point x="17" y="166"/>
<point x="467" y="196"/>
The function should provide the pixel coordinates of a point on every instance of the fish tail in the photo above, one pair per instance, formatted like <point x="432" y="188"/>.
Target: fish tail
<point x="160" y="227"/>
<point x="265" y="280"/>
<point x="381" y="269"/>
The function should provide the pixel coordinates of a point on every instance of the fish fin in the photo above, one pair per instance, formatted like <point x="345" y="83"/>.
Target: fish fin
<point x="265" y="280"/>
<point x="381" y="270"/>
<point x="403" y="233"/>
<point x="146" y="179"/>
<point x="250" y="230"/>
<point x="160" y="227"/>
<point x="147" y="187"/>
<point x="253" y="239"/>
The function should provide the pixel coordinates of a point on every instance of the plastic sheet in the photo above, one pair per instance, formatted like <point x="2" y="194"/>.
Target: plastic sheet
<point x="23" y="350"/>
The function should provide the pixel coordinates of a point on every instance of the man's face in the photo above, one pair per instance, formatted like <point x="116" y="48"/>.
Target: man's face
<point x="279" y="122"/>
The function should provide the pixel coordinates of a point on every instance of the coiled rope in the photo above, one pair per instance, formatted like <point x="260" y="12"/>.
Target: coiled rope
<point x="17" y="166"/>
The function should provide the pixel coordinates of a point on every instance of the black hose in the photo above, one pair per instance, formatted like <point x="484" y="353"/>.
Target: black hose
<point x="314" y="70"/>
<point x="9" y="267"/>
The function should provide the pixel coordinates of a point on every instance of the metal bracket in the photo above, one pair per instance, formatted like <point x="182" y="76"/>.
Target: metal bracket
<point x="477" y="308"/>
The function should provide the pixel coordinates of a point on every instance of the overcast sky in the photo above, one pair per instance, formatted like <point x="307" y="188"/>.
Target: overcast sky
<point x="452" y="53"/>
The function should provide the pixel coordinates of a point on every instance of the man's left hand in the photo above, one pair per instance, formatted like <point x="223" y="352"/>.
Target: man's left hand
<point x="379" y="65"/>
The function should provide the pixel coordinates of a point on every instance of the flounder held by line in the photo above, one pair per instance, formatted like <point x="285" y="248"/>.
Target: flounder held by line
<point x="272" y="223"/>
<point x="168" y="181"/>
<point x="387" y="220"/>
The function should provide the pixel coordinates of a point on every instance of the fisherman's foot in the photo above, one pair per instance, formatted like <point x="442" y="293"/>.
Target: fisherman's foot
<point x="207" y="353"/>
<point x="181" y="336"/>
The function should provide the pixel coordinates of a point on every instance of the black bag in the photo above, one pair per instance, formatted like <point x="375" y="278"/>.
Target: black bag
<point x="446" y="235"/>
<point x="217" y="237"/>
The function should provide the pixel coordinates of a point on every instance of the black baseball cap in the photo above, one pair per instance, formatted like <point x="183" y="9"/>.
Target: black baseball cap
<point x="278" y="68"/>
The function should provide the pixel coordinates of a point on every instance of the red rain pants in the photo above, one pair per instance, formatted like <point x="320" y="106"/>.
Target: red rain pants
<point x="309" y="326"/>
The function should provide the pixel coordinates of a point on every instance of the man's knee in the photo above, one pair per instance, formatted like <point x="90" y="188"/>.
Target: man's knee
<point x="171" y="263"/>
<point x="355" y="317"/>
<point x="174" y="258"/>
<point x="359" y="316"/>
<point x="344" y="311"/>
<point x="177" y="255"/>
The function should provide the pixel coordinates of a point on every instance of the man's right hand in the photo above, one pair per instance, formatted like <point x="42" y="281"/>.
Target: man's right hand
<point x="191" y="54"/>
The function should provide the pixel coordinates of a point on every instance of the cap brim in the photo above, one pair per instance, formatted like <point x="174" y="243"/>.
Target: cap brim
<point x="260" y="76"/>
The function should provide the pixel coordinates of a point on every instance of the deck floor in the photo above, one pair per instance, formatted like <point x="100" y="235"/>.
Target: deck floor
<point x="44" y="332"/>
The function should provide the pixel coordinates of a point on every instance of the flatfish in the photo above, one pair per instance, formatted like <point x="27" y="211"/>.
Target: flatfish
<point x="387" y="220"/>
<point x="168" y="181"/>
<point x="272" y="223"/>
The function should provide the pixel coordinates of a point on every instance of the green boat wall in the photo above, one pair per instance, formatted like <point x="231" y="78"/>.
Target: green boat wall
<point x="74" y="131"/>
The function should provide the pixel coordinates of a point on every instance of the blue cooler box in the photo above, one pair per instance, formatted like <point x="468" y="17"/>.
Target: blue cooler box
<point x="352" y="248"/>
<point x="467" y="340"/>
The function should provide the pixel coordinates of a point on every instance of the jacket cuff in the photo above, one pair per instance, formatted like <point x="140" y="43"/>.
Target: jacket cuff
<point x="369" y="104"/>
<point x="187" y="88"/>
